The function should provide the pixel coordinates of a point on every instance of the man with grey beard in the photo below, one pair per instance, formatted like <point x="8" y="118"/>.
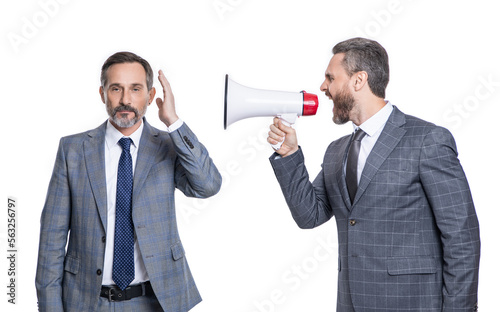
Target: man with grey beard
<point x="407" y="227"/>
<point x="112" y="190"/>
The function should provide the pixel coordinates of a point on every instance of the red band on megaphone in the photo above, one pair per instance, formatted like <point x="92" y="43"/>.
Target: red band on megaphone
<point x="310" y="104"/>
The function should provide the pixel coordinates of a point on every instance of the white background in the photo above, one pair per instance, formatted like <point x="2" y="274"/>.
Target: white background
<point x="244" y="249"/>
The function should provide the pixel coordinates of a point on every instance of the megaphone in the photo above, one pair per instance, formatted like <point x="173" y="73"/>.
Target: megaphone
<point x="242" y="102"/>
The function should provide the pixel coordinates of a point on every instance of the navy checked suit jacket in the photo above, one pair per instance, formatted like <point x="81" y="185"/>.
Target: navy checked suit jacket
<point x="70" y="280"/>
<point x="410" y="240"/>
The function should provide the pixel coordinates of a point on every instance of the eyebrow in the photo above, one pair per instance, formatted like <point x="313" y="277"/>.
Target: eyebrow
<point x="136" y="84"/>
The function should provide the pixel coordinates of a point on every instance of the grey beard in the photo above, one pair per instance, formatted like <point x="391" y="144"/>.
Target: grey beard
<point x="345" y="103"/>
<point x="125" y="122"/>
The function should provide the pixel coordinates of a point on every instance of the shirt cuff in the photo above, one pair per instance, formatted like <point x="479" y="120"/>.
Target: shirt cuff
<point x="176" y="125"/>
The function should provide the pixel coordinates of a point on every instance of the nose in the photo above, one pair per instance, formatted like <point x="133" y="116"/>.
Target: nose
<point x="125" y="99"/>
<point x="323" y="86"/>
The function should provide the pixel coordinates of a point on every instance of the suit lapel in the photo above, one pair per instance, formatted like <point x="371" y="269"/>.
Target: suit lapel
<point x="388" y="140"/>
<point x="95" y="164"/>
<point x="148" y="149"/>
<point x="339" y="170"/>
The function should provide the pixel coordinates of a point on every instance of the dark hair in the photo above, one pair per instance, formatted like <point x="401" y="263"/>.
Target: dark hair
<point x="366" y="55"/>
<point x="126" y="57"/>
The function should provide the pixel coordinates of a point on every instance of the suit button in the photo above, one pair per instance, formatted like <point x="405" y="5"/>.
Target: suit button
<point x="188" y="142"/>
<point x="103" y="239"/>
<point x="352" y="222"/>
<point x="99" y="272"/>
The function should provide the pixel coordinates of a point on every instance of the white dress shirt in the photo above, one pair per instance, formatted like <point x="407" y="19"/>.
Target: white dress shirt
<point x="112" y="153"/>
<point x="373" y="128"/>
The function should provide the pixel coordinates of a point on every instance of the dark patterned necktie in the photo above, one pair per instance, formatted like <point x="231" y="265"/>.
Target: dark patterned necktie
<point x="123" y="257"/>
<point x="351" y="172"/>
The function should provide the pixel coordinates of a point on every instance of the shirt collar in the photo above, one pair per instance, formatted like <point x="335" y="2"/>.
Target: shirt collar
<point x="377" y="121"/>
<point x="113" y="135"/>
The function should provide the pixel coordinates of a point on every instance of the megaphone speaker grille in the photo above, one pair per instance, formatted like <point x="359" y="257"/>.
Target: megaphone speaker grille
<point x="225" y="104"/>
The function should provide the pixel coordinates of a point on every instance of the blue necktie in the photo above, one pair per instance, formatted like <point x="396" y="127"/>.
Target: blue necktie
<point x="123" y="258"/>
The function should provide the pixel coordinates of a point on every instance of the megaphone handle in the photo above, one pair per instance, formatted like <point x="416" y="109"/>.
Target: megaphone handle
<point x="288" y="120"/>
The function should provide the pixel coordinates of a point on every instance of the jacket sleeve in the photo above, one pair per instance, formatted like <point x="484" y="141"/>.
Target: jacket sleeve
<point x="448" y="193"/>
<point x="195" y="172"/>
<point x="54" y="227"/>
<point x="307" y="201"/>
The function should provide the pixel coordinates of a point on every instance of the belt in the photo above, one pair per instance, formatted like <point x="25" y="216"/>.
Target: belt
<point x="113" y="293"/>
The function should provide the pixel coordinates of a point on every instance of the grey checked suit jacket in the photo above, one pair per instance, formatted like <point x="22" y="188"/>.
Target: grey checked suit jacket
<point x="70" y="280"/>
<point x="410" y="240"/>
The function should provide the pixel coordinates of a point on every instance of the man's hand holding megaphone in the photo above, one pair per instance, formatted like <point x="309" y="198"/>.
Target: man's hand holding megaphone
<point x="282" y="133"/>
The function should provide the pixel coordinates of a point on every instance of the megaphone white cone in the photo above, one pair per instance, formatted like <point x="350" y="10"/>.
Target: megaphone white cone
<point x="242" y="102"/>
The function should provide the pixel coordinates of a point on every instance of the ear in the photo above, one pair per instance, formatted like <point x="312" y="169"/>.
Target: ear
<point x="152" y="94"/>
<point x="101" y="92"/>
<point x="360" y="80"/>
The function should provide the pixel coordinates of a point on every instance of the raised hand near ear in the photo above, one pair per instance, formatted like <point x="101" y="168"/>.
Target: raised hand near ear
<point x="166" y="107"/>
